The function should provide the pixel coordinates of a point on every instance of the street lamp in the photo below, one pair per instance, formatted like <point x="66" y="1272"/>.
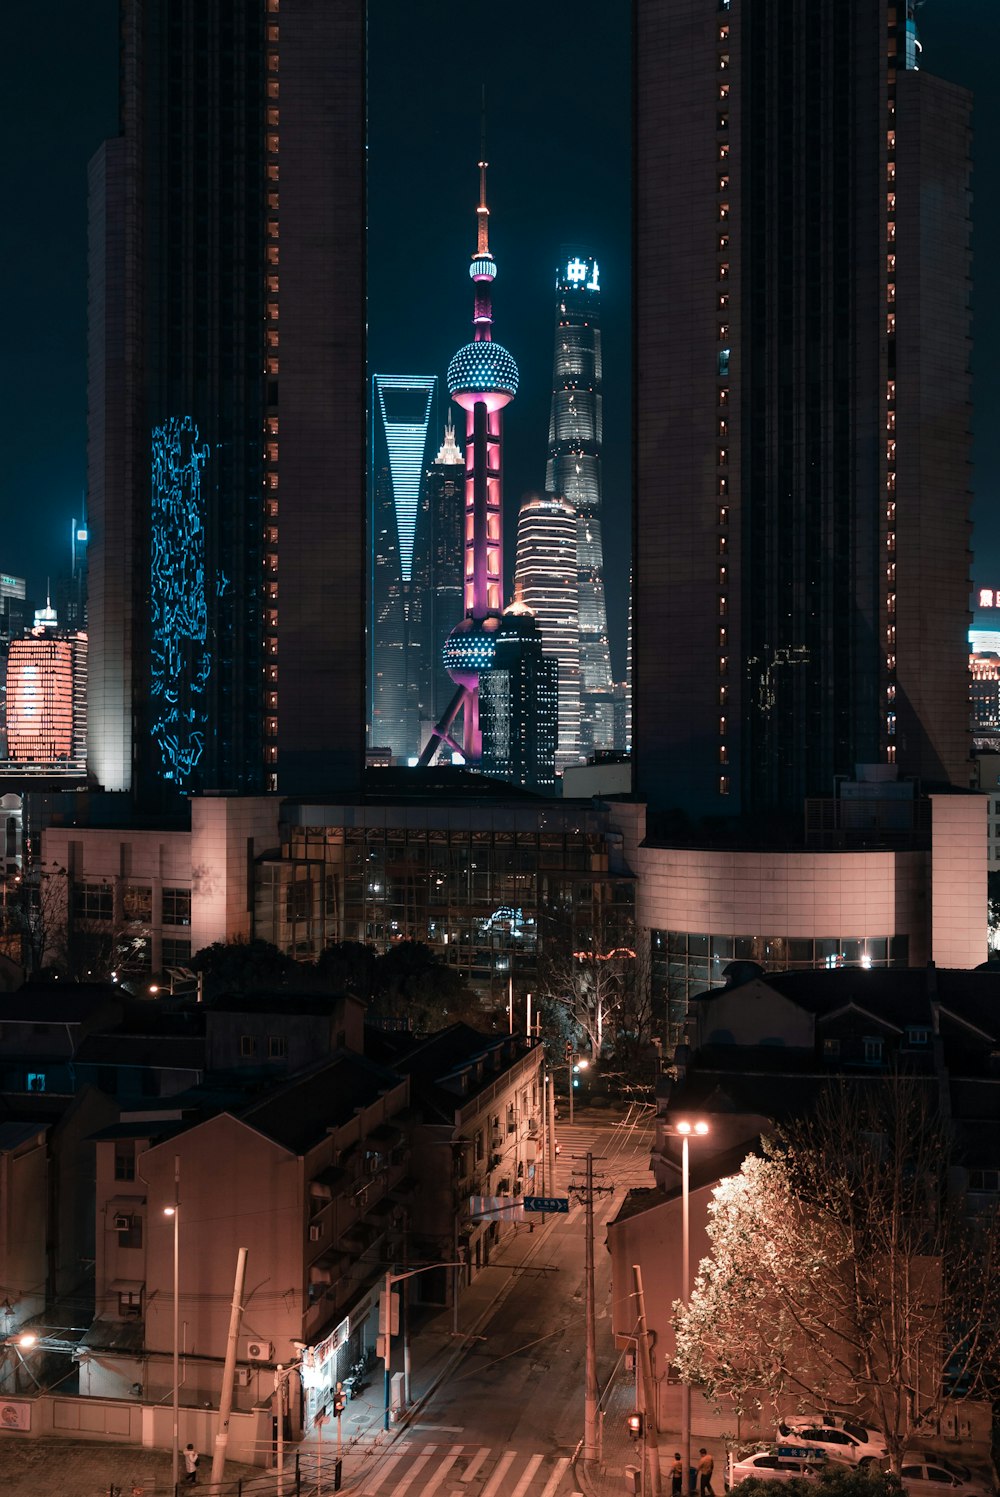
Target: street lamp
<point x="175" y="1212"/>
<point x="388" y="1323"/>
<point x="685" y="1128"/>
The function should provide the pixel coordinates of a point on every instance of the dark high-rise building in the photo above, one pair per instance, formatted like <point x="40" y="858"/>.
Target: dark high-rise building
<point x="226" y="402"/>
<point x="399" y="626"/>
<point x="445" y="498"/>
<point x="573" y="470"/>
<point x="802" y="351"/>
<point x="519" y="705"/>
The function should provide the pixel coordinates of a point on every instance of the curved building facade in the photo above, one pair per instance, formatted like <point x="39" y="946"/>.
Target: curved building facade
<point x="574" y="471"/>
<point x="545" y="578"/>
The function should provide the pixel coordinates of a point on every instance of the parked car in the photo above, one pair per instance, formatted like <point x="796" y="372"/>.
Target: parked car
<point x="841" y="1444"/>
<point x="931" y="1476"/>
<point x="779" y="1463"/>
<point x="870" y="1442"/>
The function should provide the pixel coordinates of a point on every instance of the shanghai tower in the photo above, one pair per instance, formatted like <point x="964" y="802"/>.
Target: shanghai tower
<point x="573" y="471"/>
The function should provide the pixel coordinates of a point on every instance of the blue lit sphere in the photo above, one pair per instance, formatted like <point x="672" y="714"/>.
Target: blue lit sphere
<point x="469" y="649"/>
<point x="485" y="368"/>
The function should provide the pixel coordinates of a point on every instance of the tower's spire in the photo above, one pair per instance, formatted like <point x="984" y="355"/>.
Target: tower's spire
<point x="482" y="212"/>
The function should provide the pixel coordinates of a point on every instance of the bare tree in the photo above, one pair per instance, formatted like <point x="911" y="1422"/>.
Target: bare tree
<point x="591" y="987"/>
<point x="844" y="1268"/>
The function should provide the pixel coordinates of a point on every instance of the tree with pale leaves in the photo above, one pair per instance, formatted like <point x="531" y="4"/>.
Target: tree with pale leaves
<point x="845" y="1270"/>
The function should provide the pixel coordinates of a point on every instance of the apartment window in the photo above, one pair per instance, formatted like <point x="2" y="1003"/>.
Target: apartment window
<point x="722" y="518"/>
<point x="277" y="1046"/>
<point x="724" y="150"/>
<point x="723" y="182"/>
<point x="722" y="243"/>
<point x="723" y="696"/>
<point x="724" y="363"/>
<point x="723" y="62"/>
<point x="873" y="1048"/>
<point x="137" y="902"/>
<point x="176" y="907"/>
<point x="94" y="902"/>
<point x="125" y="1159"/>
<point x="723" y="754"/>
<point x="130" y="1305"/>
<point x="174" y="953"/>
<point x="723" y="784"/>
<point x="130" y="1236"/>
<point x="917" y="1035"/>
<point x="722" y="727"/>
<point x="722" y="122"/>
<point x="724" y="271"/>
<point x="831" y="1049"/>
<point x="723" y="212"/>
<point x="248" y="1046"/>
<point x="477" y="1144"/>
<point x="723" y="92"/>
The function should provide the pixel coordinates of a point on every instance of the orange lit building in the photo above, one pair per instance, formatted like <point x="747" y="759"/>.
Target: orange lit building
<point x="47" y="700"/>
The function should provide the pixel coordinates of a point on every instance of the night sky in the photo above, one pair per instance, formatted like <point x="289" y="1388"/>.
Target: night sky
<point x="558" y="141"/>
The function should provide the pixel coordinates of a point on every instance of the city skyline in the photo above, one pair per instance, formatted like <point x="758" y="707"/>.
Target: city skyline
<point x="64" y="108"/>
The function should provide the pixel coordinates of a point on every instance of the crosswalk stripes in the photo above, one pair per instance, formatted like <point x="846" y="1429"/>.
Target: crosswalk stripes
<point x="436" y="1471"/>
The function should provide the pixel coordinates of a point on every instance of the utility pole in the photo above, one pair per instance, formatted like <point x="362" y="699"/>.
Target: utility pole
<point x="590" y="1437"/>
<point x="591" y="1419"/>
<point x="550" y="1183"/>
<point x="229" y="1371"/>
<point x="650" y="1436"/>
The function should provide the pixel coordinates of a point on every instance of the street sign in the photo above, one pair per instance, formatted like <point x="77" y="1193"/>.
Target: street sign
<point x="546" y="1203"/>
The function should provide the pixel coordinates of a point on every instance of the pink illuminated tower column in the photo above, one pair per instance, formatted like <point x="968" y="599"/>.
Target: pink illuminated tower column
<point x="482" y="379"/>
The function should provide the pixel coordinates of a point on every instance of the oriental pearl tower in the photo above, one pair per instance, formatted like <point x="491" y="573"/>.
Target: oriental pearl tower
<point x="482" y="379"/>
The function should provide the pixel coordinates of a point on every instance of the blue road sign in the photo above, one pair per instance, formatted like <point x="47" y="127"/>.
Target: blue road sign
<point x="546" y="1203"/>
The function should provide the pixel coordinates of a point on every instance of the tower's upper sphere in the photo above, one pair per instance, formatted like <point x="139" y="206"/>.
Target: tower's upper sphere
<point x="482" y="369"/>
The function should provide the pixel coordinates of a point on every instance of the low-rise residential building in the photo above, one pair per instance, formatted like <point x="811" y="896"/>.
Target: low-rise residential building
<point x="310" y="1178"/>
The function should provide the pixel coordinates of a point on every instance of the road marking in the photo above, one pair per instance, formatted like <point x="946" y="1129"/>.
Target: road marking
<point x="439" y="1474"/>
<point x="376" y="1482"/>
<point x="414" y="1472"/>
<point x="475" y="1463"/>
<point x="529" y="1471"/>
<point x="503" y="1466"/>
<point x="383" y="1470"/>
<point x="556" y="1476"/>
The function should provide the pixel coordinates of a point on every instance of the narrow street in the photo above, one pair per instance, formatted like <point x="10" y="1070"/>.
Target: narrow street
<point x="508" y="1419"/>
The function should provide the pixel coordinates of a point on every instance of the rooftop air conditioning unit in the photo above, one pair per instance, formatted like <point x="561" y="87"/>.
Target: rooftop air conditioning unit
<point x="258" y="1351"/>
<point x="122" y="1223"/>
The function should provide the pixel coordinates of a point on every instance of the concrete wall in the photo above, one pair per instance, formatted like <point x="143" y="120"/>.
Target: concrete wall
<point x="796" y="895"/>
<point x="958" y="898"/>
<point x="124" y="1422"/>
<point x="227" y="833"/>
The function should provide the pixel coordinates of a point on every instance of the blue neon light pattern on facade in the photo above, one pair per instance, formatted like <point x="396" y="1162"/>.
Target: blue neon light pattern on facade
<point x="181" y="661"/>
<point x="406" y="442"/>
<point x="483" y="366"/>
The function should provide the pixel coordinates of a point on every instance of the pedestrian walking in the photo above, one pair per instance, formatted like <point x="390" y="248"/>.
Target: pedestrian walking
<point x="706" y="1466"/>
<point x="191" y="1459"/>
<point x="677" y="1475"/>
